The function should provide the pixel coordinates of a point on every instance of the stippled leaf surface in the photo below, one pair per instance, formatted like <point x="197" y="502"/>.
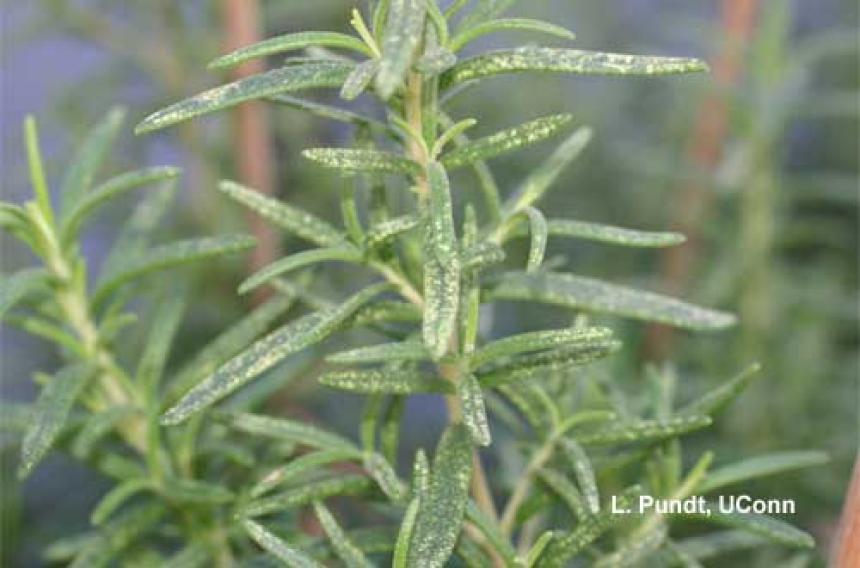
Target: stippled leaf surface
<point x="570" y="495"/>
<point x="290" y="42"/>
<point x="467" y="36"/>
<point x="580" y="464"/>
<point x="277" y="547"/>
<point x="50" y="413"/>
<point x="307" y="493"/>
<point x="611" y="235"/>
<point x="474" y="411"/>
<point x="266" y="353"/>
<point x="575" y="61"/>
<point x="505" y="141"/>
<point x="358" y="81"/>
<point x="760" y="466"/>
<point x="283" y="80"/>
<point x="554" y="360"/>
<point x="384" y="353"/>
<point x="440" y="514"/>
<point x="399" y="381"/>
<point x="296" y="221"/>
<point x="114" y="187"/>
<point x="537" y="341"/>
<point x="404" y="536"/>
<point x="299" y="260"/>
<point x="386" y="230"/>
<point x="171" y="255"/>
<point x="539" y="231"/>
<point x="353" y="160"/>
<point x="402" y="36"/>
<point x="291" y="431"/>
<point x="643" y="431"/>
<point x="345" y="549"/>
<point x="383" y="473"/>
<point x="770" y="528"/>
<point x="304" y="463"/>
<point x="441" y="266"/>
<point x="589" y="294"/>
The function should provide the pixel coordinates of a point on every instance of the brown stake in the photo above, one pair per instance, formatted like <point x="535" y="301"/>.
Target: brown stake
<point x="846" y="549"/>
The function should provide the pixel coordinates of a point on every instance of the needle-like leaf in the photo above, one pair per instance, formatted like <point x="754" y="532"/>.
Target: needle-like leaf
<point x="290" y="42"/>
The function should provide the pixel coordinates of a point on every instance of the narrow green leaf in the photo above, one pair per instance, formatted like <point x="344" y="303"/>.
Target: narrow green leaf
<point x="232" y="340"/>
<point x="327" y="111"/>
<point x="469" y="35"/>
<point x="290" y="42"/>
<point x="307" y="493"/>
<point x="74" y="217"/>
<point x="266" y="353"/>
<point x="522" y="397"/>
<point x="283" y="80"/>
<point x="37" y="169"/>
<point x="435" y="61"/>
<point x="723" y="542"/>
<point x="636" y="549"/>
<point x="716" y="400"/>
<point x="301" y="465"/>
<point x="297" y="261"/>
<point x="358" y="81"/>
<point x="277" y="547"/>
<point x="385" y="231"/>
<point x="579" y="292"/>
<point x="115" y="498"/>
<point x="559" y="484"/>
<point x="97" y="427"/>
<point x="612" y="235"/>
<point x="384" y="475"/>
<point x="643" y="431"/>
<point x="420" y="474"/>
<point x="387" y="311"/>
<point x="481" y="11"/>
<point x="168" y="256"/>
<point x="403" y="33"/>
<point x="350" y="554"/>
<point x="538" y="548"/>
<point x="537" y="248"/>
<point x="490" y="529"/>
<point x="116" y="536"/>
<point x="404" y="537"/>
<point x="89" y="158"/>
<point x="760" y="466"/>
<point x="165" y="325"/>
<point x="290" y="431"/>
<point x="441" y="267"/>
<point x="506" y="140"/>
<point x="196" y="491"/>
<point x="542" y="177"/>
<point x="577" y="61"/>
<point x="385" y="353"/>
<point x="66" y="548"/>
<point x="195" y="555"/>
<point x="353" y="160"/>
<point x="401" y="381"/>
<point x="482" y="255"/>
<point x="50" y="413"/>
<point x="18" y="286"/>
<point x="764" y="526"/>
<point x="440" y="515"/>
<point x="537" y="341"/>
<point x="555" y="360"/>
<point x="296" y="221"/>
<point x="389" y="434"/>
<point x="578" y="461"/>
<point x="474" y="412"/>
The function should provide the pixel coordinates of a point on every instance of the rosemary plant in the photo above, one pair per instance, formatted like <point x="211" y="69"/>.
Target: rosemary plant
<point x="201" y="478"/>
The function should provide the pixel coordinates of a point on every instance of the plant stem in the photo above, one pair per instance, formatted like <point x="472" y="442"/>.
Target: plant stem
<point x="523" y="486"/>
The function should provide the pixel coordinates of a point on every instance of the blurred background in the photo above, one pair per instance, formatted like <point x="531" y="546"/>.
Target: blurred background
<point x="757" y="163"/>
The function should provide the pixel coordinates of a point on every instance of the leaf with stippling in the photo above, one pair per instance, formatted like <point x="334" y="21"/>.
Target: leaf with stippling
<point x="227" y="344"/>
<point x="303" y="464"/>
<point x="170" y="308"/>
<point x="400" y="381"/>
<point x="559" y="484"/>
<point x="50" y="413"/>
<point x="538" y="549"/>
<point x="481" y="255"/>
<point x="566" y="546"/>
<point x="291" y="431"/>
<point x="577" y="61"/>
<point x="765" y="526"/>
<point x="358" y="81"/>
<point x="589" y="294"/>
<point x="550" y="361"/>
<point x="404" y="536"/>
<point x="78" y="212"/>
<point x="578" y="461"/>
<point x="283" y="80"/>
<point x="474" y="411"/>
<point x="290" y="42"/>
<point x="385" y="353"/>
<point x="420" y="474"/>
<point x="760" y="466"/>
<point x="326" y="111"/>
<point x="440" y="514"/>
<point x="15" y="288"/>
<point x="542" y="177"/>
<point x="348" y="552"/>
<point x="643" y="431"/>
<point x="441" y="266"/>
<point x="718" y="399"/>
<point x="307" y="493"/>
<point x="296" y="221"/>
<point x="539" y="230"/>
<point x="266" y="353"/>
<point x="537" y="341"/>
<point x="168" y="256"/>
<point x="386" y="230"/>
<point x="469" y="35"/>
<point x="297" y="261"/>
<point x="403" y="33"/>
<point x="383" y="473"/>
<point x="506" y="140"/>
<point x="277" y="547"/>
<point x="353" y="160"/>
<point x="435" y="61"/>
<point x="89" y="159"/>
<point x="612" y="235"/>
<point x="387" y="311"/>
<point x="490" y="529"/>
